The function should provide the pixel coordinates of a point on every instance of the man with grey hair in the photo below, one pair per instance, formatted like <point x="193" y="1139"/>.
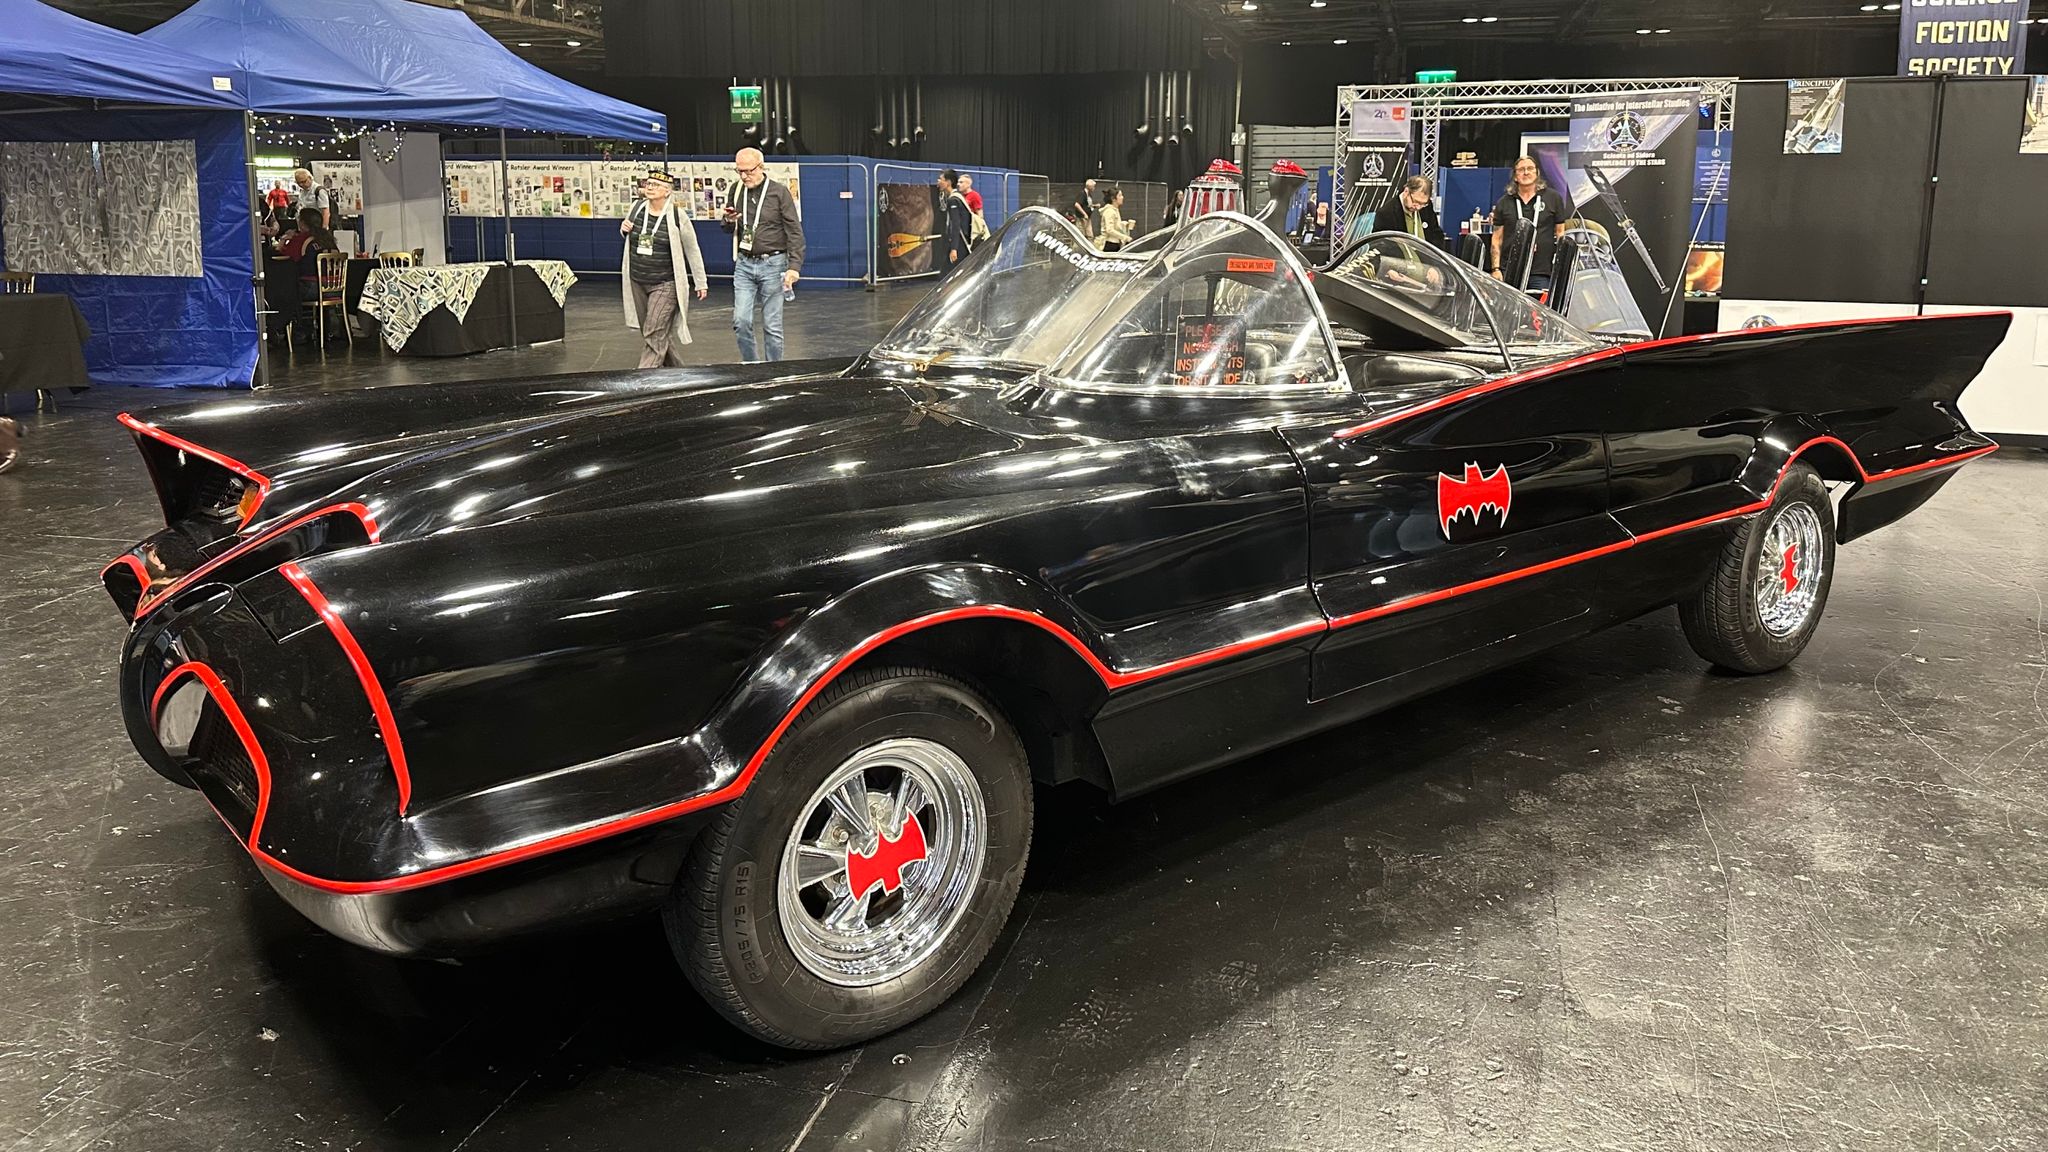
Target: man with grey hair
<point x="306" y="194"/>
<point x="767" y="255"/>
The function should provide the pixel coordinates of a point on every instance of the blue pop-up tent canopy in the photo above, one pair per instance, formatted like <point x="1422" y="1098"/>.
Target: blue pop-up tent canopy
<point x="52" y="53"/>
<point x="392" y="60"/>
<point x="110" y="86"/>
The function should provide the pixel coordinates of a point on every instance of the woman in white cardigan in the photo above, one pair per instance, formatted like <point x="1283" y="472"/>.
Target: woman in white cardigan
<point x="659" y="252"/>
<point x="1116" y="231"/>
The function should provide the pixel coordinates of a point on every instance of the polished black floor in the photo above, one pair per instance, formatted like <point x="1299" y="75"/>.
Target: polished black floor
<point x="1604" y="899"/>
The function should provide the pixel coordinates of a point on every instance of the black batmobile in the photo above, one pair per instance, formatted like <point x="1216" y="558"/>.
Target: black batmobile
<point x="783" y="648"/>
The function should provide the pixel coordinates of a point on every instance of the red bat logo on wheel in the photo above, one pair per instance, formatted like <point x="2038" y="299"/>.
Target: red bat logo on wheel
<point x="885" y="866"/>
<point x="1455" y="497"/>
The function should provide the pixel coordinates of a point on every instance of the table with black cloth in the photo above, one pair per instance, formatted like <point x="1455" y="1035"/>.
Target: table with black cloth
<point x="356" y="275"/>
<point x="42" y="342"/>
<point x="421" y="311"/>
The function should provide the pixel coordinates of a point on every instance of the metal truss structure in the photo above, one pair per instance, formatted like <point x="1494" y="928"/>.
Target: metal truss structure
<point x="1432" y="104"/>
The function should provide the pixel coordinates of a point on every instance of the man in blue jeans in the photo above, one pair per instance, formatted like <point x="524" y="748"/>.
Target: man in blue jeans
<point x="768" y="254"/>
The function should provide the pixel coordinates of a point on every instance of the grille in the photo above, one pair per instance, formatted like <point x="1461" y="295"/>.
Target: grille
<point x="214" y="488"/>
<point x="218" y="752"/>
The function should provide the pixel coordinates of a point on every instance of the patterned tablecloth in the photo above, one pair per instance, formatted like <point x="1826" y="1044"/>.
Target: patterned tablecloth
<point x="400" y="297"/>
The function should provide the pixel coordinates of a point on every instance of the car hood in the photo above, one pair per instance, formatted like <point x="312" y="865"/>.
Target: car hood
<point x="424" y="459"/>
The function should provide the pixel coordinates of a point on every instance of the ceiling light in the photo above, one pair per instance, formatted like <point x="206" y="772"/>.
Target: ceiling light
<point x="1471" y="19"/>
<point x="1891" y="7"/>
<point x="1869" y="8"/>
<point x="1663" y="31"/>
<point x="1318" y="3"/>
<point x="1287" y="43"/>
<point x="1644" y="31"/>
<point x="1340" y="40"/>
<point x="573" y="43"/>
<point x="1249" y="6"/>
<point x="1488" y="19"/>
<point x="529" y="43"/>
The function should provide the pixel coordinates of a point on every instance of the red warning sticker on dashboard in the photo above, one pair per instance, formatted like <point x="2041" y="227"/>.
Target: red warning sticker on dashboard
<point x="1247" y="264"/>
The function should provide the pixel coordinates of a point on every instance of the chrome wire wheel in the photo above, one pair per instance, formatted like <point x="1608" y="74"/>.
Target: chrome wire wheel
<point x="1788" y="575"/>
<point x="883" y="862"/>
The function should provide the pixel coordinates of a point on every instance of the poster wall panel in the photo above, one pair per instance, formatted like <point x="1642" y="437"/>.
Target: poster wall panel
<point x="1990" y="238"/>
<point x="1631" y="158"/>
<point x="343" y="180"/>
<point x="1841" y="227"/>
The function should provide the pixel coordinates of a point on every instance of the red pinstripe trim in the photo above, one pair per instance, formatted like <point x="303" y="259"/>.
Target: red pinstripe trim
<point x="225" y="701"/>
<point x="261" y="481"/>
<point x="1110" y="677"/>
<point x="387" y="723"/>
<point x="1605" y="354"/>
<point x="144" y="606"/>
<point x="1422" y="598"/>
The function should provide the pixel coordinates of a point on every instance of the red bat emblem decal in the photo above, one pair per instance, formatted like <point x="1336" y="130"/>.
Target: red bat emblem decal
<point x="1789" y="570"/>
<point x="885" y="866"/>
<point x="1455" y="497"/>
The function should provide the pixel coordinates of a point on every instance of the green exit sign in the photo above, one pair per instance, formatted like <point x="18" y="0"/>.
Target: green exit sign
<point x="1439" y="76"/>
<point x="746" y="103"/>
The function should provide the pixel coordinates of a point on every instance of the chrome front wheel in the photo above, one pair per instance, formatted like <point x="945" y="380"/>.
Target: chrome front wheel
<point x="883" y="862"/>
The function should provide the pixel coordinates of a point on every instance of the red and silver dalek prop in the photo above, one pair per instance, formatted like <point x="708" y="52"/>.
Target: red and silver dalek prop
<point x="1220" y="189"/>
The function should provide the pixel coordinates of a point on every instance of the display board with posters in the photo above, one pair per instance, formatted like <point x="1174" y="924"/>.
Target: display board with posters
<point x="343" y="180"/>
<point x="1631" y="171"/>
<point x="1813" y="116"/>
<point x="550" y="188"/>
<point x="597" y="189"/>
<point x="473" y="188"/>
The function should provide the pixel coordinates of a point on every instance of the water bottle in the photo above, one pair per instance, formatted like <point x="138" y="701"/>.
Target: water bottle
<point x="788" y="293"/>
<point x="1474" y="224"/>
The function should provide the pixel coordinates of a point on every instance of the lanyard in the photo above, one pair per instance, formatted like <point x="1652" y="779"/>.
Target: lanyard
<point x="647" y="216"/>
<point x="750" y="226"/>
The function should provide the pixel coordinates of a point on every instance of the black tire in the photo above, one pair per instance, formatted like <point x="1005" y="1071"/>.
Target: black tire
<point x="1723" y="622"/>
<point x="722" y="918"/>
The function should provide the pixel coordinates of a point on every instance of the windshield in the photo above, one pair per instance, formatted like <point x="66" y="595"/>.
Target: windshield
<point x="1222" y="304"/>
<point x="1018" y="300"/>
<point x="1598" y="298"/>
<point x="1465" y="306"/>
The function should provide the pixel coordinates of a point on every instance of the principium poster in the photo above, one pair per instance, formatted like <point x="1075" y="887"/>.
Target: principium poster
<point x="2034" y="126"/>
<point x="1631" y="174"/>
<point x="1813" y="116"/>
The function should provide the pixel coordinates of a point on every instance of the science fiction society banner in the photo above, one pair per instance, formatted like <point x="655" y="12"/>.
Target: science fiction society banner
<point x="1963" y="38"/>
<point x="1631" y="158"/>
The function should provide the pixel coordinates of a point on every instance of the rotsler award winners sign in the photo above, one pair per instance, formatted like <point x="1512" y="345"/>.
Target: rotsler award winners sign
<point x="1963" y="38"/>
